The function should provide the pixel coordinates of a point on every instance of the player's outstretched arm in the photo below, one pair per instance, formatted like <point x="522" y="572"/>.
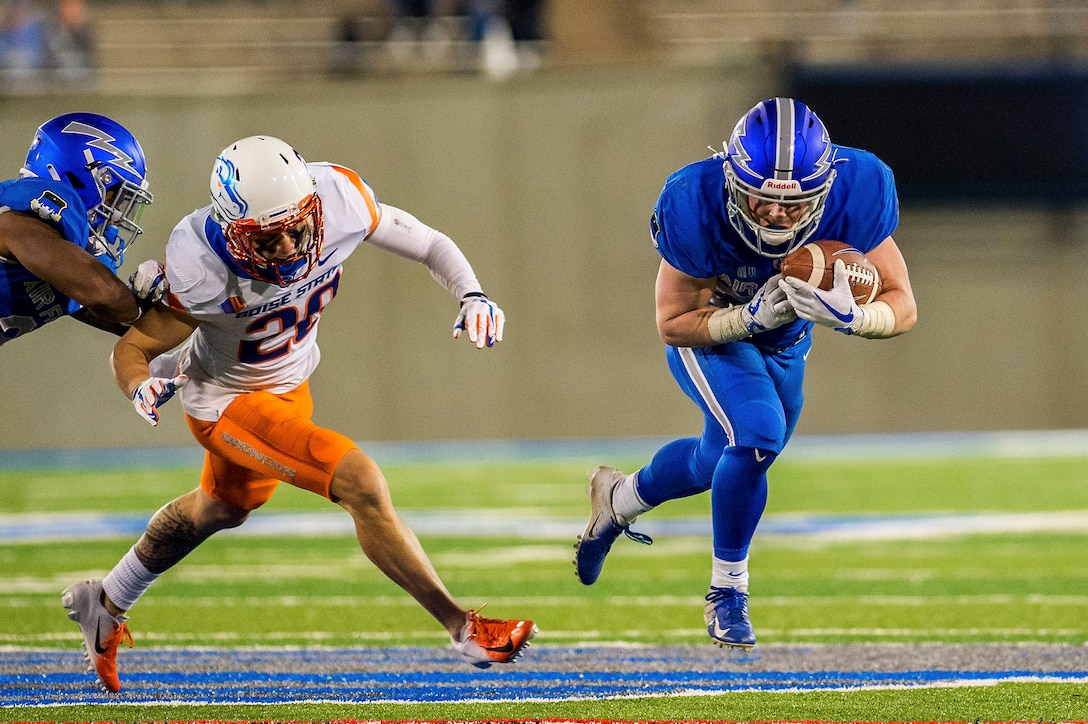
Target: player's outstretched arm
<point x="70" y="270"/>
<point x="157" y="332"/>
<point x="405" y="235"/>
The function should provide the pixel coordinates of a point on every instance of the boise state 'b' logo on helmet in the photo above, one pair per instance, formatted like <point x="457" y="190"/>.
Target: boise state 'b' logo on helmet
<point x="228" y="203"/>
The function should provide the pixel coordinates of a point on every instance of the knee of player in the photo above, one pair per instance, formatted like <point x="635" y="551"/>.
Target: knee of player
<point x="765" y="427"/>
<point x="220" y="517"/>
<point x="358" y="482"/>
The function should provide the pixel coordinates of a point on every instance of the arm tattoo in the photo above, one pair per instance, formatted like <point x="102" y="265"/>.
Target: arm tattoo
<point x="170" y="536"/>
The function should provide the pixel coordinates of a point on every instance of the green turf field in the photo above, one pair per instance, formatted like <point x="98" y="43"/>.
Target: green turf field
<point x="981" y="587"/>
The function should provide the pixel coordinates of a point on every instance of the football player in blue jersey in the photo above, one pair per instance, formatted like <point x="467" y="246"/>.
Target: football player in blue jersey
<point x="738" y="334"/>
<point x="65" y="224"/>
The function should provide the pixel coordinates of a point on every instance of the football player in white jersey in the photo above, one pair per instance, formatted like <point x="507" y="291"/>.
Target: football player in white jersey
<point x="249" y="276"/>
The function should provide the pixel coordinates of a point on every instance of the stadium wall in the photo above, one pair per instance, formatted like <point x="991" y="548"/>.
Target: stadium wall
<point x="547" y="183"/>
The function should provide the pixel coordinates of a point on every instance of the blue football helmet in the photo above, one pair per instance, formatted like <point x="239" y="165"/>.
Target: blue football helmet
<point x="778" y="154"/>
<point x="105" y="165"/>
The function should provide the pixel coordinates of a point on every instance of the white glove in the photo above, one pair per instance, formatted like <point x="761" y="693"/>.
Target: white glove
<point x="482" y="319"/>
<point x="148" y="283"/>
<point x="835" y="308"/>
<point x="768" y="309"/>
<point x="155" y="391"/>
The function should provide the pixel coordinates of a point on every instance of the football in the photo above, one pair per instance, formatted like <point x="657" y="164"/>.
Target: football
<point x="814" y="263"/>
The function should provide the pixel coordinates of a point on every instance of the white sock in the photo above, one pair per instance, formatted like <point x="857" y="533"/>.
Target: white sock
<point x="128" y="580"/>
<point x="625" y="501"/>
<point x="730" y="574"/>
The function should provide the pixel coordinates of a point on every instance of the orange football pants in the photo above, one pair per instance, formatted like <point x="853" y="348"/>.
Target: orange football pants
<point x="262" y="439"/>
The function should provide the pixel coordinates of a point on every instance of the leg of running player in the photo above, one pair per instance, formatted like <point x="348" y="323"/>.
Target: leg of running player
<point x="172" y="533"/>
<point x="361" y="489"/>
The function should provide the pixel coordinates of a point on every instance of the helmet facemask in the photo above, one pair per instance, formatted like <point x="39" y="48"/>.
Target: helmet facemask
<point x="803" y="211"/>
<point x="114" y="223"/>
<point x="303" y="223"/>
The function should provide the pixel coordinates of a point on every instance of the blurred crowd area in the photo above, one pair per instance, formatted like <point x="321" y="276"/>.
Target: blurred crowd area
<point x="225" y="45"/>
<point x="46" y="42"/>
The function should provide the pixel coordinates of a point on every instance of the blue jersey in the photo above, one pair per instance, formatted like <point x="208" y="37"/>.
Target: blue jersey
<point x="691" y="229"/>
<point x="27" y="302"/>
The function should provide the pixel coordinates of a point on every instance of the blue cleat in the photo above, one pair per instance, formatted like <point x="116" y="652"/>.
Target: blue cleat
<point x="727" y="622"/>
<point x="604" y="526"/>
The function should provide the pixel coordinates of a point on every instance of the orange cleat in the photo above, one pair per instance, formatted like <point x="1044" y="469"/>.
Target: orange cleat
<point x="101" y="632"/>
<point x="486" y="641"/>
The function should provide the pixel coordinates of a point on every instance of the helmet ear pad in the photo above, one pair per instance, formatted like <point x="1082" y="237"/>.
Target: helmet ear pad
<point x="260" y="185"/>
<point x="779" y="152"/>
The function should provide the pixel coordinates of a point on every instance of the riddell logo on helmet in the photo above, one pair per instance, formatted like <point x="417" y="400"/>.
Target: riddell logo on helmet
<point x="776" y="185"/>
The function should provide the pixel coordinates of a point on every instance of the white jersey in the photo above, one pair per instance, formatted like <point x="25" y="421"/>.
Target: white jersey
<point x="253" y="335"/>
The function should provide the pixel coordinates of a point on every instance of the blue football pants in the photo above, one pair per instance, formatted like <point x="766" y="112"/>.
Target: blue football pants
<point x="751" y="400"/>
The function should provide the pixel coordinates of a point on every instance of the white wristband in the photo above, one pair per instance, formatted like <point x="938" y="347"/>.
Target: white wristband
<point x="879" y="321"/>
<point x="727" y="325"/>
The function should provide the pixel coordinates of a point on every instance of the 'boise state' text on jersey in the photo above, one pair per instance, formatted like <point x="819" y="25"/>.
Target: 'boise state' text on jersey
<point x="27" y="302"/>
<point x="691" y="229"/>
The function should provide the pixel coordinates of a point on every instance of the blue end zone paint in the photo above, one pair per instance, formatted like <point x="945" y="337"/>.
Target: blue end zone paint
<point x="1035" y="443"/>
<point x="68" y="526"/>
<point x="416" y="675"/>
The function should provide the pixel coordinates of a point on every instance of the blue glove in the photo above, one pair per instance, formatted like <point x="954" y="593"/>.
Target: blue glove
<point x="155" y="391"/>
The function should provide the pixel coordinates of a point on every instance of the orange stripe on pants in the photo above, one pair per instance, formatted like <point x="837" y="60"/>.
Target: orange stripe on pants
<point x="262" y="439"/>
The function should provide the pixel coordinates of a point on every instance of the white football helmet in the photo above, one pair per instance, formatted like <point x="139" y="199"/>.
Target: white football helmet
<point x="262" y="189"/>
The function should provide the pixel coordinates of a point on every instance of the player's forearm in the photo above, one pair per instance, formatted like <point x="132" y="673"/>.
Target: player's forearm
<point x="898" y="315"/>
<point x="896" y="289"/>
<point x="450" y="268"/>
<point x="130" y="365"/>
<point x="682" y="307"/>
<point x="87" y="317"/>
<point x="905" y="309"/>
<point x="159" y="330"/>
<point x="405" y="235"/>
<point x="688" y="329"/>
<point x="112" y="303"/>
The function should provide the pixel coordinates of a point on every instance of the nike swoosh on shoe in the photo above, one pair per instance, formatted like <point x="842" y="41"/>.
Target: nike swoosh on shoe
<point x="719" y="632"/>
<point x="98" y="641"/>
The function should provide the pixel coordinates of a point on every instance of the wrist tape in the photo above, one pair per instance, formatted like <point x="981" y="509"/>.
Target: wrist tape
<point x="727" y="325"/>
<point x="879" y="321"/>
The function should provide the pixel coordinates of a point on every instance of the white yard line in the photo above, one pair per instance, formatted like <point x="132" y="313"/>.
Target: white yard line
<point x="923" y="445"/>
